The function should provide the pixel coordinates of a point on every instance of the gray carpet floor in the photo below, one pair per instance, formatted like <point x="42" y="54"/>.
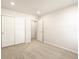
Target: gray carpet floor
<point x="36" y="50"/>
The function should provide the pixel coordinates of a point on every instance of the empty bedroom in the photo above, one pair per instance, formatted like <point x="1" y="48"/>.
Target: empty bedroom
<point x="39" y="29"/>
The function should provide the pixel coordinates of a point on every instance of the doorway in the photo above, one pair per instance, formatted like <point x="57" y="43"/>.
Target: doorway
<point x="34" y="30"/>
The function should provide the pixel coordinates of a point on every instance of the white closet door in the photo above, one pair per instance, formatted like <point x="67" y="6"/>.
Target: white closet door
<point x="7" y="31"/>
<point x="19" y="30"/>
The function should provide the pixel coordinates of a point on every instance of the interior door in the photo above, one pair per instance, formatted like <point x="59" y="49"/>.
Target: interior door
<point x="19" y="30"/>
<point x="7" y="31"/>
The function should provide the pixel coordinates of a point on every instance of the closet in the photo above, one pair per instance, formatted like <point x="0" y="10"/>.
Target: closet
<point x="7" y="31"/>
<point x="16" y="27"/>
<point x="14" y="30"/>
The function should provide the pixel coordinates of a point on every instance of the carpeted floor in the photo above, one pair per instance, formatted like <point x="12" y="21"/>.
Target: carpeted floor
<point x="36" y="50"/>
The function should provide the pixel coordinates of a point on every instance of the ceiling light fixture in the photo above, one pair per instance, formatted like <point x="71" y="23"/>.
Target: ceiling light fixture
<point x="12" y="3"/>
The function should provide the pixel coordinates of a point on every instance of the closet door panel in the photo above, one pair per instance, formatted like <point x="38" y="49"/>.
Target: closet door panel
<point x="19" y="30"/>
<point x="7" y="31"/>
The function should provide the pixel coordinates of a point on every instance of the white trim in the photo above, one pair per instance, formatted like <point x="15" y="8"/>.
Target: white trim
<point x="70" y="50"/>
<point x="25" y="29"/>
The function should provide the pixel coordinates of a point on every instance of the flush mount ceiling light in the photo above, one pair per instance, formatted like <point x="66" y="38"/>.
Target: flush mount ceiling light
<point x="38" y="12"/>
<point x="12" y="3"/>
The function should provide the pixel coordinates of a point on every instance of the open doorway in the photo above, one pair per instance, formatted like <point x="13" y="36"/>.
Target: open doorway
<point x="34" y="29"/>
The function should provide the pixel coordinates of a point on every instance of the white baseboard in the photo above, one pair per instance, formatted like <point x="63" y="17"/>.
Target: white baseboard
<point x="72" y="51"/>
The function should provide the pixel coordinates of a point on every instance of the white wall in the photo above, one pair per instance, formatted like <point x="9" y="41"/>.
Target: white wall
<point x="21" y="31"/>
<point x="28" y="29"/>
<point x="60" y="28"/>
